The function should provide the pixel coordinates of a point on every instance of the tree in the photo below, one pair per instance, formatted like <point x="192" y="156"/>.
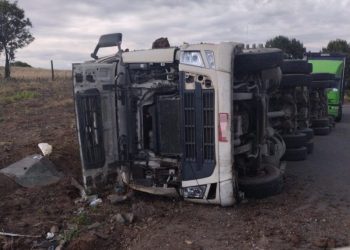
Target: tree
<point x="291" y="47"/>
<point x="340" y="46"/>
<point x="337" y="46"/>
<point x="14" y="31"/>
<point x="20" y="64"/>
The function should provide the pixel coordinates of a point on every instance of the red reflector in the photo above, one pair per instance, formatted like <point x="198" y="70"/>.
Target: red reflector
<point x="223" y="127"/>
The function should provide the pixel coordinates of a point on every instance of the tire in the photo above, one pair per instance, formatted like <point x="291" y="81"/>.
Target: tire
<point x="295" y="140"/>
<point x="308" y="131"/>
<point x="322" y="131"/>
<point x="262" y="186"/>
<point x="331" y="121"/>
<point x="310" y="147"/>
<point x="255" y="60"/>
<point x="318" y="123"/>
<point x="295" y="154"/>
<point x="340" y="114"/>
<point x="296" y="67"/>
<point x="296" y="80"/>
<point x="322" y="76"/>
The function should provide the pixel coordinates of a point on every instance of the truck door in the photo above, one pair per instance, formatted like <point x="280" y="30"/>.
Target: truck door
<point x="95" y="107"/>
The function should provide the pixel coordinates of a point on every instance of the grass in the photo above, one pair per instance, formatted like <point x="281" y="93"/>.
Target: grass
<point x="19" y="96"/>
<point x="70" y="234"/>
<point x="38" y="74"/>
<point x="81" y="219"/>
<point x="30" y="83"/>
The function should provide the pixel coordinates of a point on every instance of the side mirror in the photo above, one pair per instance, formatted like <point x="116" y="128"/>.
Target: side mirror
<point x="108" y="40"/>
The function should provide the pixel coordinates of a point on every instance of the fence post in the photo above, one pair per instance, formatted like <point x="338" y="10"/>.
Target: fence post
<point x="52" y="71"/>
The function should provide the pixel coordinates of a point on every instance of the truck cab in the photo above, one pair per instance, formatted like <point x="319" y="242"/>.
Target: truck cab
<point x="162" y="121"/>
<point x="331" y="63"/>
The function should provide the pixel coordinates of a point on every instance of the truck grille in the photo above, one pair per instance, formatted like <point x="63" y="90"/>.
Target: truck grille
<point x="198" y="132"/>
<point x="190" y="126"/>
<point x="90" y="128"/>
<point x="208" y="125"/>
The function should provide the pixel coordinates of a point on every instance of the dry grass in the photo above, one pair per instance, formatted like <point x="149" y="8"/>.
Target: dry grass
<point x="29" y="83"/>
<point x="22" y="73"/>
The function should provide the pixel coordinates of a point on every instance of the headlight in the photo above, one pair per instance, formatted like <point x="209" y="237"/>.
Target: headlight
<point x="193" y="58"/>
<point x="195" y="192"/>
<point x="210" y="58"/>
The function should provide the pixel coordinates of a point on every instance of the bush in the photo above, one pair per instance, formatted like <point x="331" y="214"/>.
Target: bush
<point x="21" y="64"/>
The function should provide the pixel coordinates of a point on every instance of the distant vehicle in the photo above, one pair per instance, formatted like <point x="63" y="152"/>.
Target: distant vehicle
<point x="332" y="64"/>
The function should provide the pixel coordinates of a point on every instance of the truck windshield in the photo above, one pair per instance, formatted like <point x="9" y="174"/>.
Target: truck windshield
<point x="328" y="66"/>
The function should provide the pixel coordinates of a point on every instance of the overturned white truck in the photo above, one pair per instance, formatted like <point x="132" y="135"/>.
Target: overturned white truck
<point x="186" y="121"/>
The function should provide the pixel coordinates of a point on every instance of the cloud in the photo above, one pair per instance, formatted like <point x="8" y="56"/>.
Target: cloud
<point x="67" y="31"/>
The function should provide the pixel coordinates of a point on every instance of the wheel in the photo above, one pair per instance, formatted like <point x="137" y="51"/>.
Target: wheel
<point x="261" y="186"/>
<point x="296" y="80"/>
<point x="308" y="131"/>
<point x="340" y="114"/>
<point x="295" y="154"/>
<point x="255" y="60"/>
<point x="310" y="147"/>
<point x="322" y="76"/>
<point x="320" y="123"/>
<point x="296" y="67"/>
<point x="295" y="140"/>
<point x="322" y="131"/>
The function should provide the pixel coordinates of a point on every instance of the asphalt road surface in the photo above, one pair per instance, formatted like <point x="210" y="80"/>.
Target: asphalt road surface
<point x="326" y="173"/>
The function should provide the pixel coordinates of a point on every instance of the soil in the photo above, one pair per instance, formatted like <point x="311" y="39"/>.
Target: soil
<point x="298" y="218"/>
<point x="7" y="185"/>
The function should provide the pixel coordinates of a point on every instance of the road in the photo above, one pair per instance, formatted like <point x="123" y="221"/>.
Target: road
<point x="325" y="175"/>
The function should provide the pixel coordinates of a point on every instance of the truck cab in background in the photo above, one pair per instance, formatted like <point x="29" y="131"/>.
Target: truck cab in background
<point x="331" y="63"/>
<point x="186" y="121"/>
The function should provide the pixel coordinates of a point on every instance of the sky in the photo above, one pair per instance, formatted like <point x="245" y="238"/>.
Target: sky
<point x="67" y="31"/>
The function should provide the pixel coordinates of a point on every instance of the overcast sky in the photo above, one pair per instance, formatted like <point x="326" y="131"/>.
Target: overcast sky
<point x="68" y="30"/>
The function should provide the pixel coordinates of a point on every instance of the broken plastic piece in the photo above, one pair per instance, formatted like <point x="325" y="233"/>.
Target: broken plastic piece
<point x="95" y="202"/>
<point x="32" y="171"/>
<point x="45" y="148"/>
<point x="50" y="236"/>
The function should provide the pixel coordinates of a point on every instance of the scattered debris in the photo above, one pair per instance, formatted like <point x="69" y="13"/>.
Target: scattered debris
<point x="76" y="184"/>
<point x="45" y="148"/>
<point x="129" y="217"/>
<point x="95" y="202"/>
<point x="188" y="242"/>
<point x="116" y="198"/>
<point x="19" y="235"/>
<point x="126" y="218"/>
<point x="94" y="225"/>
<point x="119" y="218"/>
<point x="32" y="171"/>
<point x="49" y="236"/>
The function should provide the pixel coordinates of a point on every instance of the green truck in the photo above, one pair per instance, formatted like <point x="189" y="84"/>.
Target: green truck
<point x="332" y="63"/>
